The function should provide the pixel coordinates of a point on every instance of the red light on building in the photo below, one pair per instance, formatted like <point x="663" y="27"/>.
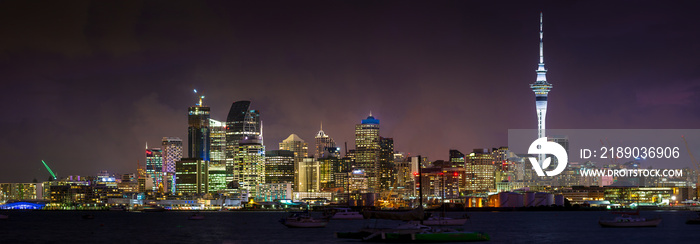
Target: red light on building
<point x="455" y="174"/>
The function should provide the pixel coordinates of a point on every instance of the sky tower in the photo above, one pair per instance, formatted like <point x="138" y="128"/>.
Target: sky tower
<point x="541" y="88"/>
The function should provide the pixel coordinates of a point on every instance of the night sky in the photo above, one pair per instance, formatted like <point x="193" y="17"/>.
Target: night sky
<point x="87" y="83"/>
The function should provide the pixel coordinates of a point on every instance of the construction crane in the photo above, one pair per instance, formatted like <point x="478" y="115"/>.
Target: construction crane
<point x="697" y="168"/>
<point x="49" y="169"/>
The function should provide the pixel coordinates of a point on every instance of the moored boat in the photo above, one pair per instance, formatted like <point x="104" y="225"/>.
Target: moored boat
<point x="411" y="231"/>
<point x="345" y="213"/>
<point x="629" y="221"/>
<point x="303" y="220"/>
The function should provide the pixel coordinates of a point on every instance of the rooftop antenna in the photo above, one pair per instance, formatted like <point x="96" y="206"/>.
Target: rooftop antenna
<point x="541" y="35"/>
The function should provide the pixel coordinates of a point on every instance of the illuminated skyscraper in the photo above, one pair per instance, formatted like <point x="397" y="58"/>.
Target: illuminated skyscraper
<point x="301" y="150"/>
<point x="154" y="167"/>
<point x="541" y="88"/>
<point x="479" y="171"/>
<point x="217" y="156"/>
<point x="249" y="164"/>
<point x="217" y="142"/>
<point x="198" y="139"/>
<point x="192" y="176"/>
<point x="172" y="152"/>
<point x="241" y="122"/>
<point x="367" y="150"/>
<point x="309" y="176"/>
<point x="324" y="144"/>
<point x="387" y="169"/>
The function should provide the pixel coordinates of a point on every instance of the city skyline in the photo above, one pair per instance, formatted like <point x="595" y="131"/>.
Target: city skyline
<point x="91" y="99"/>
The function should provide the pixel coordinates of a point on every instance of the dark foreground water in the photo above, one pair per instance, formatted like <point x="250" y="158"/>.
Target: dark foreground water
<point x="262" y="227"/>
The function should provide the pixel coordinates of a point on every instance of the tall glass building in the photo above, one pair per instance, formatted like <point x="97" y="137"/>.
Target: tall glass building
<point x="172" y="152"/>
<point x="249" y="164"/>
<point x="217" y="141"/>
<point x="325" y="146"/>
<point x="367" y="150"/>
<point x="301" y="151"/>
<point x="154" y="167"/>
<point x="387" y="170"/>
<point x="198" y="139"/>
<point x="241" y="122"/>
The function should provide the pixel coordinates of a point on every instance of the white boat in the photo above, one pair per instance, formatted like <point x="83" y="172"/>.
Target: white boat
<point x="303" y="220"/>
<point x="4" y="216"/>
<point x="629" y="221"/>
<point x="345" y="213"/>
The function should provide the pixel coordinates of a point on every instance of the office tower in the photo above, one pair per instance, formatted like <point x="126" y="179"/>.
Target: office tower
<point x="387" y="169"/>
<point x="404" y="170"/>
<point x="541" y="88"/>
<point x="172" y="152"/>
<point x="154" y="167"/>
<point x="325" y="145"/>
<point x="300" y="148"/>
<point x="328" y="167"/>
<point x="217" y="177"/>
<point x="198" y="140"/>
<point x="192" y="176"/>
<point x="240" y="122"/>
<point x="457" y="158"/>
<point x="279" y="166"/>
<point x="479" y="171"/>
<point x="217" y="142"/>
<point x="309" y="175"/>
<point x="217" y="156"/>
<point x="367" y="150"/>
<point x="249" y="164"/>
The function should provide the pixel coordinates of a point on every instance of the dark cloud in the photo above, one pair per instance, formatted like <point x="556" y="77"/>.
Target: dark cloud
<point x="88" y="83"/>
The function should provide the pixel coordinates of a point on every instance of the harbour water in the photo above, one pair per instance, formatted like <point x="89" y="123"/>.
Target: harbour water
<point x="263" y="227"/>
